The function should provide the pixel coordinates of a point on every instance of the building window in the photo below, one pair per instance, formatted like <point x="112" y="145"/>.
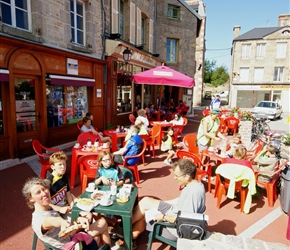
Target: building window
<point x="65" y="104"/>
<point x="260" y="50"/>
<point x="173" y="12"/>
<point x="143" y="30"/>
<point x="77" y="12"/>
<point x="171" y="50"/>
<point x="121" y="18"/>
<point x="258" y="74"/>
<point x="244" y="74"/>
<point x="278" y="74"/>
<point x="246" y="50"/>
<point x="16" y="13"/>
<point x="281" y="50"/>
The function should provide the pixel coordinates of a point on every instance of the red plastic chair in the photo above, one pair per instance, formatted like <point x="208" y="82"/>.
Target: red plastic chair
<point x="83" y="138"/>
<point x="80" y="124"/>
<point x="232" y="124"/>
<point x="270" y="186"/>
<point x="132" y="118"/>
<point x="155" y="132"/>
<point x="134" y="168"/>
<point x="202" y="170"/>
<point x="88" y="169"/>
<point x="43" y="154"/>
<point x="189" y="140"/>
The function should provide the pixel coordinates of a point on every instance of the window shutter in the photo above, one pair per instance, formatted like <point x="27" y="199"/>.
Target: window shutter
<point x="115" y="22"/>
<point x="139" y="21"/>
<point x="132" y="23"/>
<point x="151" y="22"/>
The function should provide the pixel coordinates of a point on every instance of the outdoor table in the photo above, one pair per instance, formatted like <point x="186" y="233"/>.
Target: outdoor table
<point x="122" y="209"/>
<point x="213" y="156"/>
<point x="115" y="136"/>
<point x="162" y="124"/>
<point x="76" y="153"/>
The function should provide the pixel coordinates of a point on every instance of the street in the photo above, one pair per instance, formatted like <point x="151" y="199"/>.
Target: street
<point x="280" y="125"/>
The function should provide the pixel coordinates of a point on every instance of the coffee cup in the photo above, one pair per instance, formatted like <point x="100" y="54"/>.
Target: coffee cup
<point x="91" y="186"/>
<point x="113" y="190"/>
<point x="211" y="148"/>
<point x="123" y="194"/>
<point x="96" y="144"/>
<point x="105" y="200"/>
<point x="105" y="145"/>
<point x="77" y="145"/>
<point x="89" y="143"/>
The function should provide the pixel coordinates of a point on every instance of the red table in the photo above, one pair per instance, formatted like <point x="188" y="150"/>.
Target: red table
<point x="213" y="156"/>
<point x="114" y="135"/>
<point x="76" y="153"/>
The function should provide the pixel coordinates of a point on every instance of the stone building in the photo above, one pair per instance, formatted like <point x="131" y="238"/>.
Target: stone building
<point x="260" y="65"/>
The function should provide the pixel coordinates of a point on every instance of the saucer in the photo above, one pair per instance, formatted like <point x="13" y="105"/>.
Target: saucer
<point x="105" y="147"/>
<point x="106" y="205"/>
<point x="89" y="190"/>
<point x="77" y="147"/>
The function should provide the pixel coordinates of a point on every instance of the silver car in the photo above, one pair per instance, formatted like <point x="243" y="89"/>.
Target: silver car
<point x="270" y="109"/>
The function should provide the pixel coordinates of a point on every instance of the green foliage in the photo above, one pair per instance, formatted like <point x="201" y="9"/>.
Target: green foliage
<point x="215" y="75"/>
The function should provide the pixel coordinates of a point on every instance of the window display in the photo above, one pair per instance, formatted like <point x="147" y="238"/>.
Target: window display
<point x="65" y="104"/>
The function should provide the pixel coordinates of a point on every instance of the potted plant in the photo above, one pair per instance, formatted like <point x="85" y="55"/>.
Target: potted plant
<point x="245" y="116"/>
<point x="285" y="146"/>
<point x="235" y="111"/>
<point x="286" y="139"/>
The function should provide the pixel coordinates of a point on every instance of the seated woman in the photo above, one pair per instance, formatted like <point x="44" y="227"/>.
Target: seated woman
<point x="87" y="127"/>
<point x="178" y="120"/>
<point x="47" y="223"/>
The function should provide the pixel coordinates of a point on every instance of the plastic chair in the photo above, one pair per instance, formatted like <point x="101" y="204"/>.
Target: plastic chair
<point x="232" y="124"/>
<point x="43" y="154"/>
<point x="88" y="169"/>
<point x="156" y="233"/>
<point x="270" y="186"/>
<point x="80" y="124"/>
<point x="155" y="132"/>
<point x="83" y="138"/>
<point x="251" y="154"/>
<point x="206" y="112"/>
<point x="134" y="168"/>
<point x="189" y="140"/>
<point x="127" y="175"/>
<point x="178" y="130"/>
<point x="132" y="118"/>
<point x="202" y="170"/>
<point x="241" y="176"/>
<point x="185" y="121"/>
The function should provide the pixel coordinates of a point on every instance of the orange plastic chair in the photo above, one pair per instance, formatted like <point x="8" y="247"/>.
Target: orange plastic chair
<point x="232" y="124"/>
<point x="83" y="138"/>
<point x="134" y="168"/>
<point x="178" y="130"/>
<point x="43" y="154"/>
<point x="155" y="132"/>
<point x="88" y="169"/>
<point x="271" y="185"/>
<point x="251" y="154"/>
<point x="185" y="121"/>
<point x="132" y="118"/>
<point x="202" y="170"/>
<point x="222" y="124"/>
<point x="189" y="141"/>
<point x="80" y="124"/>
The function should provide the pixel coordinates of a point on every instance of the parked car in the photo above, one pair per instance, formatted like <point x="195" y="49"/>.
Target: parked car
<point x="270" y="109"/>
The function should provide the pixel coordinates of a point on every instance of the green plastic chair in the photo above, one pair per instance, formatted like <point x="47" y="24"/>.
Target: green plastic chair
<point x="156" y="233"/>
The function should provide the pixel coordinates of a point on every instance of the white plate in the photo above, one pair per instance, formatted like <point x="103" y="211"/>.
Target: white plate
<point x="105" y="147"/>
<point x="87" y="208"/>
<point x="211" y="150"/>
<point x="87" y="149"/>
<point x="106" y="205"/>
<point x="89" y="190"/>
<point x="98" y="192"/>
<point x="77" y="147"/>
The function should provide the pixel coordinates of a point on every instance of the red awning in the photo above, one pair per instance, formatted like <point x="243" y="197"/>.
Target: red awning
<point x="4" y="75"/>
<point x="71" y="81"/>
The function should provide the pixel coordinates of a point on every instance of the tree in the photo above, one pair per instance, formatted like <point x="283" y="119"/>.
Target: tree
<point x="215" y="75"/>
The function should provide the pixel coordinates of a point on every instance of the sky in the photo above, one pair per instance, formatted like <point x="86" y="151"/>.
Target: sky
<point x="223" y="15"/>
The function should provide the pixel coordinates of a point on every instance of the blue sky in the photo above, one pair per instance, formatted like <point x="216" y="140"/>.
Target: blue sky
<point x="223" y="15"/>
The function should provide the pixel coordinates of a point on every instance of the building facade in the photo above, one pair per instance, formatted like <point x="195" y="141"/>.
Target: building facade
<point x="61" y="59"/>
<point x="260" y="67"/>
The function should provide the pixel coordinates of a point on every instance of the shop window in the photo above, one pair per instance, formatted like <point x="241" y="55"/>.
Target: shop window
<point x="124" y="88"/>
<point x="77" y="11"/>
<point x="16" y="13"/>
<point x="171" y="50"/>
<point x="65" y="104"/>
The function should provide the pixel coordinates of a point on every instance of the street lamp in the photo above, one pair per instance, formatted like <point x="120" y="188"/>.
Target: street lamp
<point x="127" y="54"/>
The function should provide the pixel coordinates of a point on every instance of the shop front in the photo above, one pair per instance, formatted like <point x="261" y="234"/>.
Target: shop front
<point x="43" y="93"/>
<point x="123" y="96"/>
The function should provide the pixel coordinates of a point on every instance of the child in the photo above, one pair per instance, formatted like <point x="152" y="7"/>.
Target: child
<point x="108" y="173"/>
<point x="166" y="146"/>
<point x="239" y="155"/>
<point x="62" y="199"/>
<point x="266" y="161"/>
<point x="233" y="144"/>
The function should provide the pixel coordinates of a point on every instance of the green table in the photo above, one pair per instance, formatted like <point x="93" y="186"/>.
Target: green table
<point x="124" y="210"/>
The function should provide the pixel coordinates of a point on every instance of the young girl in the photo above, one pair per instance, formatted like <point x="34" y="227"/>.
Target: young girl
<point x="239" y="155"/>
<point x="108" y="173"/>
<point x="233" y="144"/>
<point x="166" y="146"/>
<point x="178" y="120"/>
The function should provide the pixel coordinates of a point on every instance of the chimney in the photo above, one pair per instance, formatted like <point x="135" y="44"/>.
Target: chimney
<point x="236" y="31"/>
<point x="284" y="20"/>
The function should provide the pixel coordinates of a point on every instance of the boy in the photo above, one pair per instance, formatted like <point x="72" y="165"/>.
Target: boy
<point x="166" y="146"/>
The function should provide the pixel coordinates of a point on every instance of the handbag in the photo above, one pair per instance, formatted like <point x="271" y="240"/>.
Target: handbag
<point x="191" y="226"/>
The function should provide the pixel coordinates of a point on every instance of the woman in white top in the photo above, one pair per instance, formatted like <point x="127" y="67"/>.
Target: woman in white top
<point x="178" y="120"/>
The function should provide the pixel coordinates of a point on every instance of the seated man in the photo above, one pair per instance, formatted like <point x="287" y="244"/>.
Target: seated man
<point x="191" y="199"/>
<point x="133" y="146"/>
